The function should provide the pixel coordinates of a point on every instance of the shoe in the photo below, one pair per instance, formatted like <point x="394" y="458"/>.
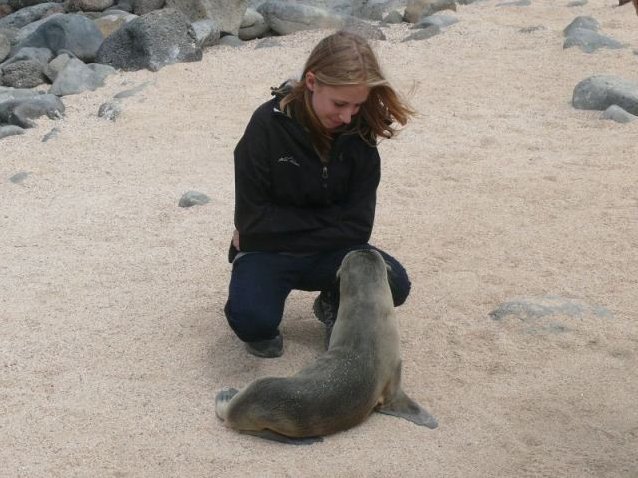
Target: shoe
<point x="326" y="312"/>
<point x="271" y="348"/>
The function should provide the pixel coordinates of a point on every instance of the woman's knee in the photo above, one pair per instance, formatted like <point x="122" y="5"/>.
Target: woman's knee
<point x="251" y="321"/>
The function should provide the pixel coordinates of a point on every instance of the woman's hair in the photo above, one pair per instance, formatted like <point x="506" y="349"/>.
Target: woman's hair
<point x="342" y="59"/>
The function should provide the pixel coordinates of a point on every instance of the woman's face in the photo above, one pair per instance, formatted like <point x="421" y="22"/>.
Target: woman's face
<point x="335" y="105"/>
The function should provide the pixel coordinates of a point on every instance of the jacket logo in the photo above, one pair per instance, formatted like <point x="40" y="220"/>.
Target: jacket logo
<point x="288" y="159"/>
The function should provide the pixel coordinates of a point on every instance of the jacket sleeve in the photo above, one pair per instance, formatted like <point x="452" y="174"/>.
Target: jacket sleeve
<point x="256" y="214"/>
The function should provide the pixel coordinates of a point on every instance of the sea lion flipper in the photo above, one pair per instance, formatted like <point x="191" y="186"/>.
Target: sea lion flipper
<point x="404" y="407"/>
<point x="273" y="436"/>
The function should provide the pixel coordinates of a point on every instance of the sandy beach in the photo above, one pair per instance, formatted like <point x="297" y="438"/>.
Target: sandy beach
<point x="114" y="342"/>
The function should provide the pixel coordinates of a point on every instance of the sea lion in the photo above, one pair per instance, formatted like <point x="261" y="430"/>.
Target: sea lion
<point x="359" y="373"/>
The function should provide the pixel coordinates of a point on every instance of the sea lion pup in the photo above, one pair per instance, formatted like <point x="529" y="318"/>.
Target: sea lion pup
<point x="360" y="372"/>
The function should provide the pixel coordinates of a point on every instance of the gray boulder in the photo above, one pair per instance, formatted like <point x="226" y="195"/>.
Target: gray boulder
<point x="110" y="22"/>
<point x="206" y="33"/>
<point x="438" y="20"/>
<point x="41" y="55"/>
<point x="617" y="114"/>
<point x="9" y="93"/>
<point x="55" y="66"/>
<point x="584" y="22"/>
<point x="589" y="41"/>
<point x="417" y="9"/>
<point x="393" y="17"/>
<point x="252" y="26"/>
<point x="77" y="77"/>
<point x="151" y="41"/>
<point x="10" y="130"/>
<point x="5" y="47"/>
<point x="599" y="92"/>
<point x="28" y="15"/>
<point x="423" y="34"/>
<point x="227" y="14"/>
<point x="21" y="112"/>
<point x="74" y="33"/>
<point x="23" y="74"/>
<point x="230" y="40"/>
<point x="142" y="7"/>
<point x="285" y="18"/>
<point x="87" y="5"/>
<point x="27" y="30"/>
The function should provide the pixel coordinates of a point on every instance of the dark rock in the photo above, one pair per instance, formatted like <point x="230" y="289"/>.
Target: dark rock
<point x="601" y="91"/>
<point x="535" y="28"/>
<point x="151" y="41"/>
<point x="77" y="77"/>
<point x="206" y="33"/>
<point x="18" y="178"/>
<point x="87" y="5"/>
<point x="19" y="4"/>
<point x="423" y="34"/>
<point x="41" y="55"/>
<point x="193" y="198"/>
<point x="227" y="14"/>
<point x="5" y="47"/>
<point x="589" y="40"/>
<point x="110" y="110"/>
<point x="417" y="9"/>
<point x="5" y="10"/>
<point x="10" y="130"/>
<point x="20" y="112"/>
<point x="23" y="74"/>
<point x="142" y="7"/>
<point x="582" y="22"/>
<point x="393" y="17"/>
<point x="71" y="32"/>
<point x="28" y="15"/>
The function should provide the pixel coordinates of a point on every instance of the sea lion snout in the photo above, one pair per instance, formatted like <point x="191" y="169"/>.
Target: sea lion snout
<point x="362" y="262"/>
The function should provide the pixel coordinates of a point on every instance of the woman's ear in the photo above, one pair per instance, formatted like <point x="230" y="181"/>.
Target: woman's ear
<point x="311" y="81"/>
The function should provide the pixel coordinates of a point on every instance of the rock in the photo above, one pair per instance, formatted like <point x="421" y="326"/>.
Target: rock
<point x="5" y="47"/>
<point x="28" y="15"/>
<point x="599" y="92"/>
<point x="363" y="29"/>
<point x="20" y="112"/>
<point x="532" y="308"/>
<point x="617" y="114"/>
<point x="110" y="110"/>
<point x="41" y="55"/>
<point x="440" y="21"/>
<point x="584" y="22"/>
<point x="151" y="41"/>
<point x="230" y="40"/>
<point x="5" y="10"/>
<point x="23" y="74"/>
<point x="285" y="18"/>
<point x="227" y="14"/>
<point x="19" y="4"/>
<point x="8" y="93"/>
<point x="18" y="178"/>
<point x="56" y="65"/>
<point x="142" y="7"/>
<point x="10" y="130"/>
<point x="51" y="134"/>
<point x="206" y="33"/>
<point x="589" y="40"/>
<point x="87" y="5"/>
<point x="252" y="26"/>
<point x="393" y="17"/>
<point x="423" y="34"/>
<point x="577" y="3"/>
<point x="107" y="24"/>
<point x="270" y="42"/>
<point x="77" y="77"/>
<point x="132" y="91"/>
<point x="27" y="30"/>
<point x="519" y="3"/>
<point x="193" y="198"/>
<point x="417" y="9"/>
<point x="72" y="32"/>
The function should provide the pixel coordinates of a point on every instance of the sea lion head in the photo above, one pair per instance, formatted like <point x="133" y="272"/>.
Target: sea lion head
<point x="363" y="267"/>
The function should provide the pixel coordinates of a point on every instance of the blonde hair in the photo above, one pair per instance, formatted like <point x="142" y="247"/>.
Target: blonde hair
<point x="342" y="59"/>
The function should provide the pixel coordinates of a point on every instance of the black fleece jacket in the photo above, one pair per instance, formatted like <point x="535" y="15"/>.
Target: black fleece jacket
<point x="288" y="200"/>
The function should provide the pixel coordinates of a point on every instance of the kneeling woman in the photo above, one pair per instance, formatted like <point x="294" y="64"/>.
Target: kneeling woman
<point x="306" y="175"/>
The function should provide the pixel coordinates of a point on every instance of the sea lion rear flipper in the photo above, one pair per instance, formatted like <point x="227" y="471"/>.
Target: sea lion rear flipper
<point x="270" y="435"/>
<point x="404" y="407"/>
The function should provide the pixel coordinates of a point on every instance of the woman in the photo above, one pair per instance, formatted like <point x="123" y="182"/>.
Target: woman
<point x="306" y="174"/>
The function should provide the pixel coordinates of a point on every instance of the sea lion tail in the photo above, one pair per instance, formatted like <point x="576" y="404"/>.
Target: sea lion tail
<point x="222" y="400"/>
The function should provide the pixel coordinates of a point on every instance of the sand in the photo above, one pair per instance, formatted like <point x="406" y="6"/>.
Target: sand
<point x="114" y="342"/>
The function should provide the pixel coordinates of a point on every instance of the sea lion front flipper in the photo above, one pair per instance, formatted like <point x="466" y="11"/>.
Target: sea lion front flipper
<point x="278" y="437"/>
<point x="404" y="407"/>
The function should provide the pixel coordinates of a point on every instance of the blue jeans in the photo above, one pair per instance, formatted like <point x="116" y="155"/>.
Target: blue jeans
<point x="261" y="281"/>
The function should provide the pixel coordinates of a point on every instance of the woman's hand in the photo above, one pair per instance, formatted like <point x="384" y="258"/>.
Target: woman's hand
<point x="236" y="239"/>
